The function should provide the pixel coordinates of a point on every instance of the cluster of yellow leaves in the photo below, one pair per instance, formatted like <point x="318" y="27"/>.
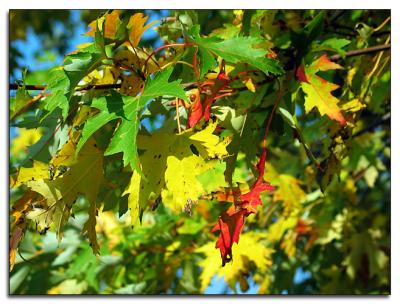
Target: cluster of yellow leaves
<point x="249" y="249"/>
<point x="108" y="224"/>
<point x="170" y="168"/>
<point x="83" y="176"/>
<point x="288" y="189"/>
<point x="291" y="195"/>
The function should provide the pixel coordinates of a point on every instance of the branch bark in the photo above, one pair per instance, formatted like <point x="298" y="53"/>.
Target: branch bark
<point x="372" y="49"/>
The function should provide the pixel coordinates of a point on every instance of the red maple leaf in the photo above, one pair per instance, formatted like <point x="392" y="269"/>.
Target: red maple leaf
<point x="230" y="225"/>
<point x="196" y="110"/>
<point x="199" y="109"/>
<point x="301" y="74"/>
<point x="231" y="222"/>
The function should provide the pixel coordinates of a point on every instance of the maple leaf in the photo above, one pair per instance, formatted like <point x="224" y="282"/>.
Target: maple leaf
<point x="63" y="81"/>
<point x="38" y="171"/>
<point x="230" y="225"/>
<point x="108" y="23"/>
<point x="318" y="90"/>
<point x="127" y="108"/>
<point x="19" y="102"/>
<point x="231" y="222"/>
<point x="83" y="177"/>
<point x="136" y="58"/>
<point x="234" y="50"/>
<point x="24" y="139"/>
<point x="170" y="165"/>
<point x="250" y="249"/>
<point x="136" y="27"/>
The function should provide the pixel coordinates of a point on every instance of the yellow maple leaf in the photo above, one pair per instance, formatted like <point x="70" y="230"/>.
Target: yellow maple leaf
<point x="249" y="249"/>
<point x="318" y="90"/>
<point x="288" y="189"/>
<point x="24" y="139"/>
<point x="129" y="60"/>
<point x="170" y="166"/>
<point x="181" y="185"/>
<point x="83" y="177"/>
<point x="278" y="228"/>
<point x="38" y="171"/>
<point x="353" y="106"/>
<point x="289" y="192"/>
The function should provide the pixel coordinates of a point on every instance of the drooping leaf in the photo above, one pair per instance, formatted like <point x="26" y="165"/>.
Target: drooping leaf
<point x="170" y="165"/>
<point x="38" y="171"/>
<point x="250" y="248"/>
<point x="136" y="27"/>
<point x="231" y="222"/>
<point x="17" y="103"/>
<point x="83" y="177"/>
<point x="18" y="223"/>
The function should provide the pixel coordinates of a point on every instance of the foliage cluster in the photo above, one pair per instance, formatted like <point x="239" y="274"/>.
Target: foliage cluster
<point x="242" y="147"/>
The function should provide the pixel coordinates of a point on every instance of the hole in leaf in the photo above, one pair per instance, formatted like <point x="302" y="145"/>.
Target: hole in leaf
<point x="194" y="149"/>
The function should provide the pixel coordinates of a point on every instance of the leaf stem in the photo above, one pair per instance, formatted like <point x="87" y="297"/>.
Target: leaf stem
<point x="177" y="115"/>
<point x="164" y="47"/>
<point x="263" y="157"/>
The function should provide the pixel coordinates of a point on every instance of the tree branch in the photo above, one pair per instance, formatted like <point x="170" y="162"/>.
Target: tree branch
<point x="372" y="49"/>
<point x="383" y="120"/>
<point x="33" y="87"/>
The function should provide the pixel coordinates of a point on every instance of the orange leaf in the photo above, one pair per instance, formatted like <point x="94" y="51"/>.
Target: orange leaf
<point x="136" y="27"/>
<point x="318" y="90"/>
<point x="110" y="21"/>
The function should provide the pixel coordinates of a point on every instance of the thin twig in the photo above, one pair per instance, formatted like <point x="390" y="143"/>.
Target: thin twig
<point x="35" y="87"/>
<point x="359" y="52"/>
<point x="177" y="115"/>
<point x="190" y="85"/>
<point x="373" y="125"/>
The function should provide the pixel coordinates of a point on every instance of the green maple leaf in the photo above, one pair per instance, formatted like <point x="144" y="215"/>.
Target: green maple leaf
<point x="128" y="108"/>
<point x="234" y="50"/>
<point x="62" y="83"/>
